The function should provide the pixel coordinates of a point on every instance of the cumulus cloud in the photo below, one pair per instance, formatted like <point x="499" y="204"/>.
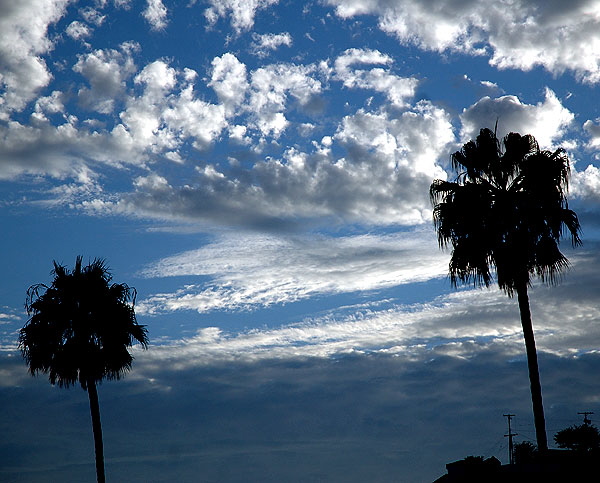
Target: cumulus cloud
<point x="371" y="167"/>
<point x="21" y="144"/>
<point x="229" y="80"/>
<point x="159" y="111"/>
<point x="592" y="128"/>
<point x="272" y="86"/>
<point x="397" y="89"/>
<point x="155" y="14"/>
<point x="106" y="71"/>
<point x="585" y="184"/>
<point x="250" y="271"/>
<point x="167" y="113"/>
<point x="547" y="120"/>
<point x="78" y="30"/>
<point x="51" y="104"/>
<point x="263" y="45"/>
<point x="160" y="115"/>
<point x="61" y="150"/>
<point x="382" y="179"/>
<point x="142" y="118"/>
<point x="522" y="34"/>
<point x="23" y="71"/>
<point x="242" y="12"/>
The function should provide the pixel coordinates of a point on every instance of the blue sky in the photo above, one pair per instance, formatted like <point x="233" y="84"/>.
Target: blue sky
<point x="259" y="171"/>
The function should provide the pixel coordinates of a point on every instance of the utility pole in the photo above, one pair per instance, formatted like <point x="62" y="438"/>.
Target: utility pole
<point x="511" y="455"/>
<point x="586" y="420"/>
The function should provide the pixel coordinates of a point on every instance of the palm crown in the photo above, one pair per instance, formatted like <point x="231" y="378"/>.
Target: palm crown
<point x="505" y="211"/>
<point x="81" y="326"/>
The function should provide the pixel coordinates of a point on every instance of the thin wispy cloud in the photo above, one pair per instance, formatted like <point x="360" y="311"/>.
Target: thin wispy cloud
<point x="249" y="271"/>
<point x="461" y="324"/>
<point x="264" y="44"/>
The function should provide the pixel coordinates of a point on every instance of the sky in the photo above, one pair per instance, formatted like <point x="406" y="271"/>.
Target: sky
<point x="259" y="171"/>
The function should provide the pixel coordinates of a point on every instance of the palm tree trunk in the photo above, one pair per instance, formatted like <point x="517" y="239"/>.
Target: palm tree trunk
<point x="534" y="372"/>
<point x="97" y="429"/>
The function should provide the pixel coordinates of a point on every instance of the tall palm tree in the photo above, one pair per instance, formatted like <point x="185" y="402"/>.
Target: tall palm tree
<point x="506" y="211"/>
<point x="79" y="330"/>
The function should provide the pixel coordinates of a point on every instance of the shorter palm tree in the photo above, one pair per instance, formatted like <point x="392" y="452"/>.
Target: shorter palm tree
<point x="79" y="330"/>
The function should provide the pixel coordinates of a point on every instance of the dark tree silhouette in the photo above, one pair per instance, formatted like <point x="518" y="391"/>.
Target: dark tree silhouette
<point x="525" y="452"/>
<point x="583" y="438"/>
<point x="79" y="330"/>
<point x="506" y="211"/>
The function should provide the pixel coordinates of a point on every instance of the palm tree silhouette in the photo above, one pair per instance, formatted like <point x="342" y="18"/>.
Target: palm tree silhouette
<point x="79" y="330"/>
<point x="506" y="210"/>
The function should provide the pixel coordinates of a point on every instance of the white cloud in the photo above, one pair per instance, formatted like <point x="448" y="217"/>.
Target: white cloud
<point x="125" y="4"/>
<point x="107" y="72"/>
<point x="592" y="128"/>
<point x="397" y="89"/>
<point x="160" y="111"/>
<point x="40" y="149"/>
<point x="229" y="81"/>
<point x="270" y="88"/>
<point x="547" y="120"/>
<point x="383" y="178"/>
<point x="155" y="14"/>
<point x="142" y="118"/>
<point x="250" y="271"/>
<point x="491" y="87"/>
<point x="167" y="113"/>
<point x="262" y="45"/>
<point x="51" y="104"/>
<point x="518" y="34"/>
<point x="84" y="186"/>
<point x="414" y="140"/>
<point x="351" y="57"/>
<point x="400" y="330"/>
<point x="191" y="117"/>
<point x="242" y="11"/>
<point x="586" y="184"/>
<point x="157" y="78"/>
<point x="23" y="72"/>
<point x="59" y="151"/>
<point x="78" y="30"/>
<point x="92" y="16"/>
<point x="461" y="324"/>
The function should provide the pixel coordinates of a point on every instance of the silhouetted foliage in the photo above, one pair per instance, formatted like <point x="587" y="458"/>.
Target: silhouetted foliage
<point x="472" y="460"/>
<point x="583" y="438"/>
<point x="525" y="452"/>
<point x="505" y="212"/>
<point x="79" y="330"/>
